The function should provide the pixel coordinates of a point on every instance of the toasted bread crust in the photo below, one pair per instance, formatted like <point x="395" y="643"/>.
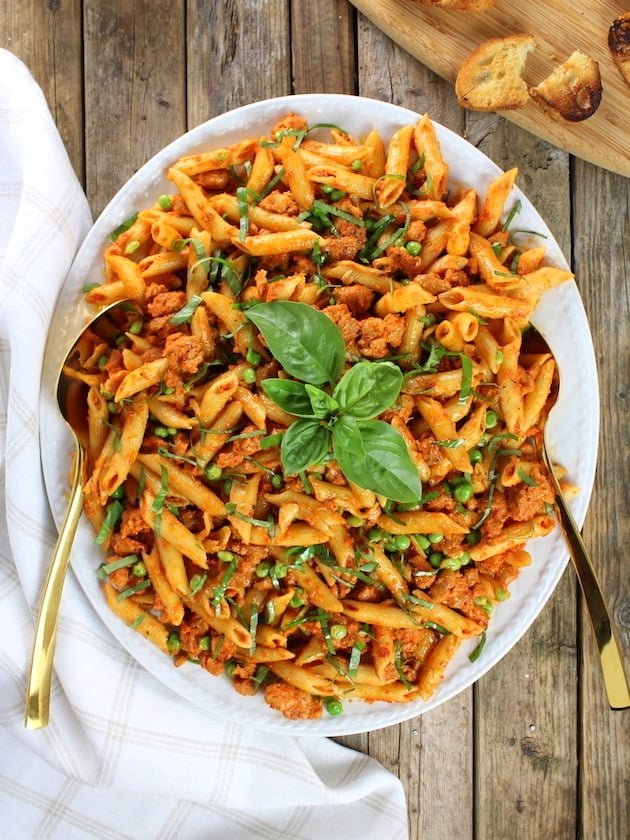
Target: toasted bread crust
<point x="460" y="5"/>
<point x="490" y="77"/>
<point x="619" y="43"/>
<point x="573" y="91"/>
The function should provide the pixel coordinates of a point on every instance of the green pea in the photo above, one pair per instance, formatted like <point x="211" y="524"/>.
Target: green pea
<point x="173" y="643"/>
<point x="491" y="419"/>
<point x="214" y="472"/>
<point x="464" y="492"/>
<point x="375" y="535"/>
<point x="453" y="564"/>
<point x="338" y="631"/>
<point x="476" y="456"/>
<point x="249" y="375"/>
<point x="333" y="706"/>
<point x="225" y="556"/>
<point x="262" y="569"/>
<point x="402" y="542"/>
<point x="277" y="480"/>
<point x="139" y="569"/>
<point x="436" y="537"/>
<point x="298" y="598"/>
<point x="423" y="542"/>
<point x="435" y="559"/>
<point x="280" y="570"/>
<point x="413" y="248"/>
<point x="165" y="202"/>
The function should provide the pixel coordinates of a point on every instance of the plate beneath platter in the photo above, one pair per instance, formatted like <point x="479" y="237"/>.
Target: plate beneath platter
<point x="574" y="423"/>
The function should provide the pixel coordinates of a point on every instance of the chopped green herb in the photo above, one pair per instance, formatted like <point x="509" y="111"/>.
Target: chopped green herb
<point x="132" y="590"/>
<point x="112" y="515"/>
<point x="184" y="315"/>
<point x="196" y="583"/>
<point x="474" y="656"/>
<point x="158" y="502"/>
<point x="138" y="621"/>
<point x="526" y="478"/>
<point x="107" y="568"/>
<point x="124" y="226"/>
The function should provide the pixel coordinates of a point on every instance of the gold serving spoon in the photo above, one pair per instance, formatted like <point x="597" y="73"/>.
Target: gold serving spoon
<point x="73" y="412"/>
<point x="615" y="680"/>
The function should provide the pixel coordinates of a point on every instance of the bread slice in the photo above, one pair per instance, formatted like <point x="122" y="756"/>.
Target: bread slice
<point x="460" y="5"/>
<point x="573" y="90"/>
<point x="619" y="43"/>
<point x="490" y="78"/>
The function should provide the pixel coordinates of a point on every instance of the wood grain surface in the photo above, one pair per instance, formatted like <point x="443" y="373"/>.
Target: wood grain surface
<point x="442" y="38"/>
<point x="532" y="750"/>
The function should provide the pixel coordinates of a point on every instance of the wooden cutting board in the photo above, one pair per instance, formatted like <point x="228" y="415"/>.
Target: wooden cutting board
<point x="442" y="38"/>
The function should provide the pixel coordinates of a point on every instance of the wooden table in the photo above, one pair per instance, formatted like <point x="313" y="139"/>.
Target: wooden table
<point x="532" y="750"/>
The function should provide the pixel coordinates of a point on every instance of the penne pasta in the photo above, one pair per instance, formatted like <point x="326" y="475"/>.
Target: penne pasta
<point x="323" y="505"/>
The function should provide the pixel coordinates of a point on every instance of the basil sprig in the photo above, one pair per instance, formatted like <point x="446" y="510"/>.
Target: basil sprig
<point x="310" y="347"/>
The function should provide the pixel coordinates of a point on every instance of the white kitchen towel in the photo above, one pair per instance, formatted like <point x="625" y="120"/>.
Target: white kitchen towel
<point x="122" y="757"/>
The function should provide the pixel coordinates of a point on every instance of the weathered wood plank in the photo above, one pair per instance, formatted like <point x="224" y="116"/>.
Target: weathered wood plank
<point x="436" y="766"/>
<point x="47" y="37"/>
<point x="602" y="256"/>
<point x="238" y="52"/>
<point x="134" y="88"/>
<point x="522" y="741"/>
<point x="398" y="78"/>
<point x="322" y="44"/>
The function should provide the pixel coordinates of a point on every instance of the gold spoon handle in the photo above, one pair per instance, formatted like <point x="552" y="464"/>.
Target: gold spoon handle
<point x="615" y="681"/>
<point x="40" y="672"/>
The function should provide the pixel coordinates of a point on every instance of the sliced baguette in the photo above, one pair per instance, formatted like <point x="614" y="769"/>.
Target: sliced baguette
<point x="460" y="5"/>
<point x="490" y="77"/>
<point x="619" y="43"/>
<point x="572" y="91"/>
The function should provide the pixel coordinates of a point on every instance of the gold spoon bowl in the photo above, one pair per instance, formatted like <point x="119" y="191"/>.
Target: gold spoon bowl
<point x="68" y="392"/>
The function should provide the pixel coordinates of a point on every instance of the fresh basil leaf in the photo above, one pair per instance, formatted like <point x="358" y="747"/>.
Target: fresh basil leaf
<point x="291" y="396"/>
<point x="306" y="342"/>
<point x="374" y="455"/>
<point x="323" y="405"/>
<point x="304" y="443"/>
<point x="368" y="388"/>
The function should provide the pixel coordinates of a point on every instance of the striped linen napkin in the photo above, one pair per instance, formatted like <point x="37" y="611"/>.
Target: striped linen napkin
<point x="128" y="759"/>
